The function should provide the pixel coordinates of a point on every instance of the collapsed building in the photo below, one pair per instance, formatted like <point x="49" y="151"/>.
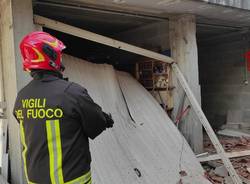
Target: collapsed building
<point x="208" y="41"/>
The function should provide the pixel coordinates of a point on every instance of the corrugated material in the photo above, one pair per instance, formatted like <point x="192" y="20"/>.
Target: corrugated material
<point x="3" y="180"/>
<point x="149" y="150"/>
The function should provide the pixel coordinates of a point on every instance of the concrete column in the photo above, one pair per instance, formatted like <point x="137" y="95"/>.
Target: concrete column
<point x="16" y="21"/>
<point x="184" y="52"/>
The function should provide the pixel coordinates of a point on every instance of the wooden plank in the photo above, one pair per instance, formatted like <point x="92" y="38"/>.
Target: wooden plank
<point x="98" y="38"/>
<point x="137" y="50"/>
<point x="229" y="155"/>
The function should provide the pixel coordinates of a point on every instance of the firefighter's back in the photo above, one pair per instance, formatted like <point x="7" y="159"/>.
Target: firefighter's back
<point x="55" y="147"/>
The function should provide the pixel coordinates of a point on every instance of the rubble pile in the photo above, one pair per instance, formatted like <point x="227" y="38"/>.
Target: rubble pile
<point x="216" y="171"/>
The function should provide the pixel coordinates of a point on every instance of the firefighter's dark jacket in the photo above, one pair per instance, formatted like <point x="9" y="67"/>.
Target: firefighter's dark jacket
<point x="56" y="119"/>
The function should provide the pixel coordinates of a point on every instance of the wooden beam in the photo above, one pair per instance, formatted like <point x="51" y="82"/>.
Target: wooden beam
<point x="99" y="38"/>
<point x="229" y="155"/>
<point x="49" y="23"/>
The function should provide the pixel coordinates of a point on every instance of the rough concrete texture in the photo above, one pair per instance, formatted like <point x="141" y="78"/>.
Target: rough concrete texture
<point x="184" y="51"/>
<point x="222" y="76"/>
<point x="149" y="150"/>
<point x="152" y="36"/>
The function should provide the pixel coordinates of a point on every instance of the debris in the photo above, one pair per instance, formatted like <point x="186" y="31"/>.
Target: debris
<point x="221" y="171"/>
<point x="209" y="178"/>
<point x="229" y="143"/>
<point x="229" y="155"/>
<point x="228" y="180"/>
<point x="215" y="178"/>
<point x="183" y="173"/>
<point x="214" y="164"/>
<point x="248" y="169"/>
<point x="238" y="149"/>
<point x="233" y="133"/>
<point x="202" y="154"/>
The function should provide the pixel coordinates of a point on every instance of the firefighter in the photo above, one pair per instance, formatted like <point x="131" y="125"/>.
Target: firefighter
<point x="56" y="117"/>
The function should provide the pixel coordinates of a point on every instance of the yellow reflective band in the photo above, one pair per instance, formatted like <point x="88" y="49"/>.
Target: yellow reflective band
<point x="85" y="179"/>
<point x="59" y="151"/>
<point x="53" y="44"/>
<point x="90" y="182"/>
<point x="39" y="54"/>
<point x="51" y="153"/>
<point x="24" y="152"/>
<point x="55" y="151"/>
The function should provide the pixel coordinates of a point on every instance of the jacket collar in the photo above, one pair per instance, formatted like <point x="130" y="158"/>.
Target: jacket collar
<point x="45" y="75"/>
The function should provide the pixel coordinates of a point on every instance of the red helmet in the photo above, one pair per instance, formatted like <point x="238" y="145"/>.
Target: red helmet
<point x="40" y="50"/>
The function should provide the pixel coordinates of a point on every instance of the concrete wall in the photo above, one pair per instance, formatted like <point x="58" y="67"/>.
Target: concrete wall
<point x="222" y="76"/>
<point x="16" y="21"/>
<point x="154" y="35"/>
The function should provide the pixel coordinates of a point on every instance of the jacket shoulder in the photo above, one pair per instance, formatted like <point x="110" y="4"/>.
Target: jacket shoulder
<point x="74" y="88"/>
